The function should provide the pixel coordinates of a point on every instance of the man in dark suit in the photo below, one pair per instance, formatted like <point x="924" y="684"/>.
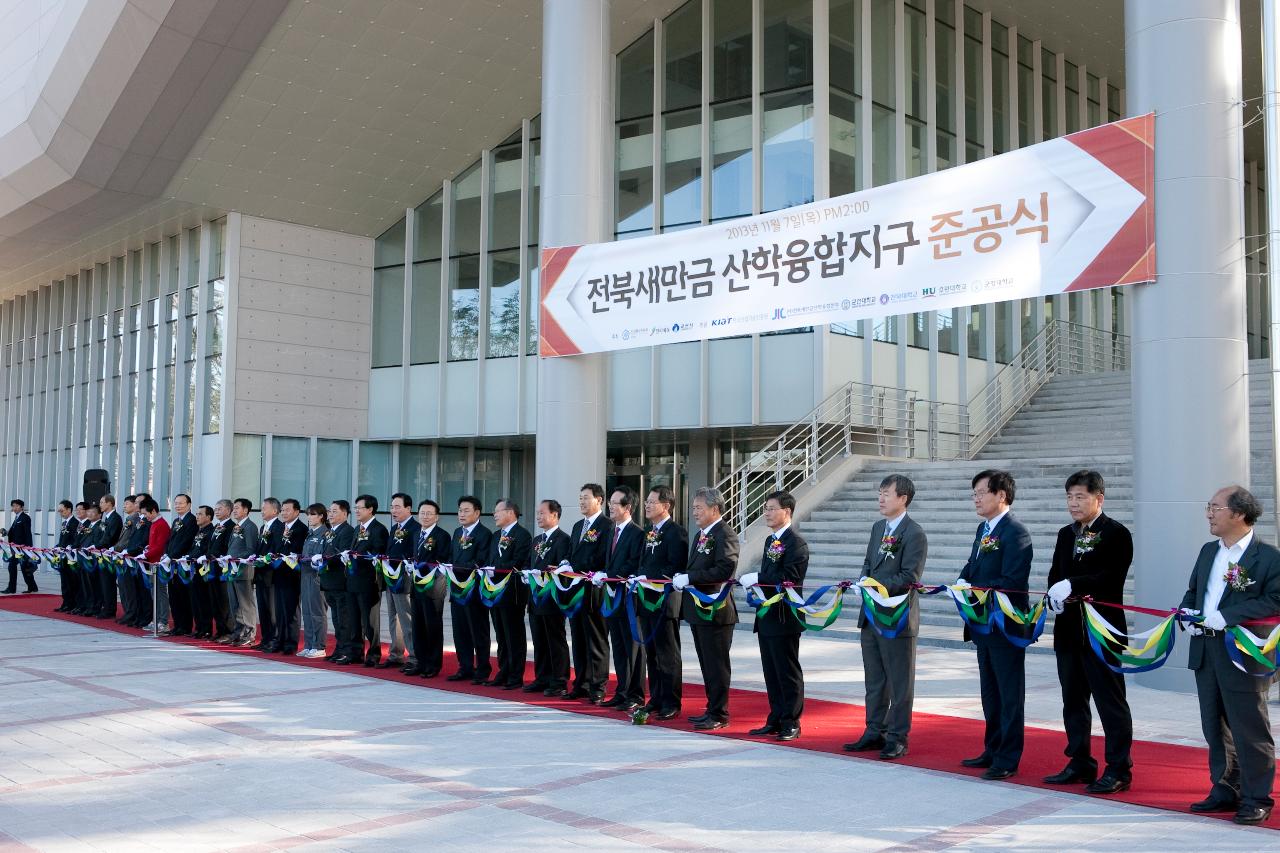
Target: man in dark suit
<point x="546" y="620"/>
<point x="400" y="548"/>
<point x="665" y="555"/>
<point x="68" y="583"/>
<point x="434" y="545"/>
<point x="1236" y="579"/>
<point x="713" y="561"/>
<point x="176" y="595"/>
<point x="1000" y="559"/>
<point x="286" y="584"/>
<point x="470" y="549"/>
<point x="86" y="539"/>
<point x="108" y="532"/>
<point x="340" y="538"/>
<point x="509" y="556"/>
<point x="895" y="558"/>
<point x="362" y="586"/>
<point x="270" y="541"/>
<point x="626" y="546"/>
<point x="19" y="533"/>
<point x="203" y="610"/>
<point x="785" y="561"/>
<point x="219" y="547"/>
<point x="121" y="582"/>
<point x="1091" y="558"/>
<point x="139" y="539"/>
<point x="589" y="549"/>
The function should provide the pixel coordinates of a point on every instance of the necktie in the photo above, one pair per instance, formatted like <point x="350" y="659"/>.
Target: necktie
<point x="986" y="529"/>
<point x="617" y="534"/>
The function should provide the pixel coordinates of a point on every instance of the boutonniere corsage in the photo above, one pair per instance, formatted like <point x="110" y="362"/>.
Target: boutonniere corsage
<point x="177" y="525"/>
<point x="776" y="550"/>
<point x="464" y="542"/>
<point x="363" y="535"/>
<point x="651" y="539"/>
<point x="890" y="545"/>
<point x="235" y="531"/>
<point x="431" y="541"/>
<point x="540" y="550"/>
<point x="503" y="541"/>
<point x="1237" y="577"/>
<point x="1086" y="542"/>
<point x="988" y="545"/>
<point x="591" y="535"/>
<point x="399" y="534"/>
<point x="704" y="544"/>
<point x="328" y="535"/>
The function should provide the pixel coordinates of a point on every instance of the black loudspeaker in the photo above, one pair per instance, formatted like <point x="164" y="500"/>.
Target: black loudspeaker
<point x="96" y="484"/>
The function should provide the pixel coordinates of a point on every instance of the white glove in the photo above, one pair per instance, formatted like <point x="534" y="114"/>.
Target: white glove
<point x="749" y="579"/>
<point x="680" y="581"/>
<point x="1058" y="595"/>
<point x="317" y="560"/>
<point x="562" y="568"/>
<point x="1215" y="621"/>
<point x="635" y="580"/>
<point x="962" y="584"/>
<point x="1194" y="629"/>
<point x="597" y="578"/>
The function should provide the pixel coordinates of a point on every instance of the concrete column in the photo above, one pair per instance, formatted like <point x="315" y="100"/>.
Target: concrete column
<point x="577" y="122"/>
<point x="1190" y="384"/>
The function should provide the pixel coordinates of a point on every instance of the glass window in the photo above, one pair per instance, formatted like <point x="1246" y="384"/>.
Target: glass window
<point x="914" y="61"/>
<point x="977" y="332"/>
<point x="535" y="177"/>
<point x="883" y="144"/>
<point x="731" y="160"/>
<point x="290" y="468"/>
<point x="731" y="49"/>
<point x="135" y="278"/>
<point x="533" y="300"/>
<point x="974" y="91"/>
<point x="246" y="467"/>
<point x="428" y="222"/>
<point x="504" y="215"/>
<point x="504" y="304"/>
<point x="999" y="89"/>
<point x="333" y="470"/>
<point x="1072" y="84"/>
<point x="944" y="90"/>
<point x="1094" y="95"/>
<point x="388" y="248"/>
<point x="1004" y="331"/>
<point x="1115" y="110"/>
<point x="1026" y="93"/>
<point x="845" y="176"/>
<point x="883" y="132"/>
<point x="213" y="394"/>
<point x="846" y="45"/>
<point x="153" y="271"/>
<point x="948" y="322"/>
<point x="424" y="337"/>
<point x="388" y="316"/>
<point x="918" y="330"/>
<point x="217" y="249"/>
<point x="375" y="471"/>
<point x="1049" y="93"/>
<point x="682" y="168"/>
<point x="464" y="309"/>
<point x="635" y="78"/>
<point x="885" y="329"/>
<point x="488" y="483"/>
<point x="634" y="165"/>
<point x="465" y="224"/>
<point x="451" y="463"/>
<point x="682" y="43"/>
<point x="787" y="44"/>
<point x="787" y="151"/>
<point x="415" y="472"/>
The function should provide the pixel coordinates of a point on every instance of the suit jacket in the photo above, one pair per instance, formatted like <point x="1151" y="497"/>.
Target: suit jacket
<point x="125" y="532"/>
<point x="1008" y="567"/>
<point x="181" y="534"/>
<point x="157" y="539"/>
<point x="897" y="572"/>
<point x="243" y="541"/>
<point x="369" y="540"/>
<point x="270" y="541"/>
<point x="292" y="539"/>
<point x="623" y="560"/>
<point x="402" y="544"/>
<point x="513" y="554"/>
<point x="336" y="540"/>
<point x="788" y="567"/>
<point x="435" y="547"/>
<point x="67" y="532"/>
<point x="220" y="539"/>
<point x="1099" y="572"/>
<point x="665" y="557"/>
<point x="200" y="543"/>
<point x="588" y="553"/>
<point x="108" y="530"/>
<point x="471" y="553"/>
<point x="139" y="537"/>
<point x="710" y="565"/>
<point x="1260" y="600"/>
<point x="546" y="552"/>
<point x="20" y="530"/>
<point x="87" y="534"/>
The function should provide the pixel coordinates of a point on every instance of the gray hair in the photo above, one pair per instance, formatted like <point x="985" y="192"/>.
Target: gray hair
<point x="710" y="497"/>
<point x="224" y="503"/>
<point x="275" y="504"/>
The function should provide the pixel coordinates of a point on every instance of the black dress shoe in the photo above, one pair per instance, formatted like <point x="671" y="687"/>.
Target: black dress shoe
<point x="513" y="685"/>
<point x="492" y="682"/>
<point x="789" y="733"/>
<point x="595" y="699"/>
<point x="1252" y="815"/>
<point x="332" y="657"/>
<point x="710" y="725"/>
<point x="371" y="662"/>
<point x="411" y="670"/>
<point x="1108" y="784"/>
<point x="697" y="718"/>
<point x="1214" y="804"/>
<point x="981" y="761"/>
<point x="384" y="664"/>
<point x="616" y="702"/>
<point x="998" y="773"/>
<point x="1070" y="775"/>
<point x="458" y="676"/>
<point x="8" y="591"/>
<point x="479" y="680"/>
<point x="893" y="751"/>
<point x="430" y="673"/>
<point x="866" y="743"/>
<point x="553" y="691"/>
<point x="669" y="714"/>
<point x="629" y="707"/>
<point x="766" y="729"/>
<point x="534" y="687"/>
<point x="342" y="660"/>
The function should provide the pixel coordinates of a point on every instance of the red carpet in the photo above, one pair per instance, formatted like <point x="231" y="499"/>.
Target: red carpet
<point x="1166" y="776"/>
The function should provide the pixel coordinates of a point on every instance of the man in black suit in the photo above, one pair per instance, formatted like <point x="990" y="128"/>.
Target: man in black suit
<point x="895" y="558"/>
<point x="588" y="551"/>
<point x="270" y="541"/>
<point x="340" y="538"/>
<point x="139" y="538"/>
<point x="400" y="548"/>
<point x="626" y="546"/>
<point x="19" y="533"/>
<point x="86" y="539"/>
<point x="175" y="596"/>
<point x="362" y="587"/>
<point x="1236" y="579"/>
<point x="203" y="578"/>
<point x="785" y="560"/>
<point x="546" y="621"/>
<point x="286" y="584"/>
<point x="470" y="549"/>
<point x="219" y="547"/>
<point x="1000" y="559"/>
<point x="509" y="556"/>
<point x="68" y="583"/>
<point x="665" y="555"/>
<point x="713" y="561"/>
<point x="1091" y="558"/>
<point x="107" y="533"/>
<point x="434" y="545"/>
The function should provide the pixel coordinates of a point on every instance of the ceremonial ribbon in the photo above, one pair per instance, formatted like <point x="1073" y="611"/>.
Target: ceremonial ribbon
<point x="1262" y="651"/>
<point x="1136" y="652"/>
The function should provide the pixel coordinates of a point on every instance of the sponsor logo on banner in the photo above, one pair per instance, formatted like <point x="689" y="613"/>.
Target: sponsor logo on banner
<point x="1069" y="214"/>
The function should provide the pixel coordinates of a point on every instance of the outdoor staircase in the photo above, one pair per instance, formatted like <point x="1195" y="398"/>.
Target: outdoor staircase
<point x="1071" y="422"/>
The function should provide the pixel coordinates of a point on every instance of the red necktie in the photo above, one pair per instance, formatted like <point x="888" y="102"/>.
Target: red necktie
<point x="617" y="534"/>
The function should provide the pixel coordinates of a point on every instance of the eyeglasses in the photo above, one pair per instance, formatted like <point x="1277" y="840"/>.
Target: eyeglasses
<point x="978" y="494"/>
<point x="1213" y="508"/>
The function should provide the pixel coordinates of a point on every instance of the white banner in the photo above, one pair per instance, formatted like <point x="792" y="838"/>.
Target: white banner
<point x="1069" y="214"/>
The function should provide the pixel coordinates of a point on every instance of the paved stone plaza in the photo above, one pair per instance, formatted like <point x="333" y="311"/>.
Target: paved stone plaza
<point x="118" y="743"/>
